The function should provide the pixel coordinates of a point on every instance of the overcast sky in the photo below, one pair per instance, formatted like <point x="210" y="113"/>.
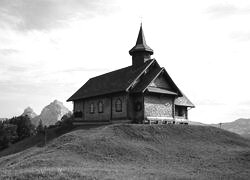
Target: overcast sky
<point x="50" y="48"/>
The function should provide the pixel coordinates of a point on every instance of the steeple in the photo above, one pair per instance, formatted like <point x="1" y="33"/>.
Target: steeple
<point x="141" y="52"/>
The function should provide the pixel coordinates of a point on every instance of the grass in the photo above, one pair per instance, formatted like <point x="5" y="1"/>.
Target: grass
<point x="37" y="140"/>
<point x="134" y="152"/>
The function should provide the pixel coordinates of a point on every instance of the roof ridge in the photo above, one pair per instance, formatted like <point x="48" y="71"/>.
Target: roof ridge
<point x="152" y="60"/>
<point x="161" y="69"/>
<point x="118" y="70"/>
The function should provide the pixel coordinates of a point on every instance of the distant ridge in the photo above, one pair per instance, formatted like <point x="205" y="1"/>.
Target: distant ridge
<point x="240" y="126"/>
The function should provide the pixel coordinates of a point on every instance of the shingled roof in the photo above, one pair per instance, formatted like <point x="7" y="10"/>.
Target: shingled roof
<point x="115" y="81"/>
<point x="183" y="101"/>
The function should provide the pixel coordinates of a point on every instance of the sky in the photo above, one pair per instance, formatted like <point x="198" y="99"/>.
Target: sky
<point x="50" y="48"/>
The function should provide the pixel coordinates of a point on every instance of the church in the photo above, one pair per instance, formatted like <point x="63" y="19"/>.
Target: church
<point x="141" y="93"/>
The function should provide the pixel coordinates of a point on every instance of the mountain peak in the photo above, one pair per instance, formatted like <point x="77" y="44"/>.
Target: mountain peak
<point x="29" y="112"/>
<point x="57" y="102"/>
<point x="51" y="113"/>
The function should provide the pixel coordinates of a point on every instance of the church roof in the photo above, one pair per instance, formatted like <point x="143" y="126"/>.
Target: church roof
<point x="132" y="79"/>
<point x="183" y="101"/>
<point x="141" y="45"/>
<point x="115" y="81"/>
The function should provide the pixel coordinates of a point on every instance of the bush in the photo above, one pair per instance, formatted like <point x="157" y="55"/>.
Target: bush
<point x="66" y="123"/>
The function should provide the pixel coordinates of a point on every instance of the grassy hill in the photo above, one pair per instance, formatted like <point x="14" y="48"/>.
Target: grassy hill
<point x="135" y="152"/>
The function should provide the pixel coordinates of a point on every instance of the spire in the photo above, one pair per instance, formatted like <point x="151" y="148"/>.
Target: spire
<point x="141" y="45"/>
<point x="141" y="52"/>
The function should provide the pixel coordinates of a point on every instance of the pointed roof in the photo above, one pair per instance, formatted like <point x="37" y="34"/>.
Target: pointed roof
<point x="141" y="45"/>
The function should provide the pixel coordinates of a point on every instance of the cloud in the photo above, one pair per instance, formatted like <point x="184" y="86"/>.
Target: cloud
<point x="245" y="103"/>
<point x="223" y="10"/>
<point x="76" y="69"/>
<point x="28" y="15"/>
<point x="240" y="36"/>
<point x="8" y="51"/>
<point x="209" y="102"/>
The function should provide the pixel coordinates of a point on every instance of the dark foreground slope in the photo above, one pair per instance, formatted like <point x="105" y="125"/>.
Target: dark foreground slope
<point x="135" y="152"/>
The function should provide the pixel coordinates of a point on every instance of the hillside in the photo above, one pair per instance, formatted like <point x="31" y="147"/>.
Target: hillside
<point x="135" y="152"/>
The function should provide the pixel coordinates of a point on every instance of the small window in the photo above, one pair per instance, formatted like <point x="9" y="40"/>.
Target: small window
<point x="92" y="109"/>
<point x="118" y="105"/>
<point x="100" y="107"/>
<point x="179" y="111"/>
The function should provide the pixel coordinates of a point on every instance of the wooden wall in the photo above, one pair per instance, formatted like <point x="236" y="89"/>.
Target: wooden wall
<point x="136" y="113"/>
<point x="123" y="113"/>
<point x="78" y="106"/>
<point x="105" y="115"/>
<point x="109" y="111"/>
<point x="161" y="82"/>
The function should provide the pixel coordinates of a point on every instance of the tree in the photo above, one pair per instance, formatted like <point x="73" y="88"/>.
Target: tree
<point x="4" y="142"/>
<point x="40" y="128"/>
<point x="10" y="130"/>
<point x="24" y="126"/>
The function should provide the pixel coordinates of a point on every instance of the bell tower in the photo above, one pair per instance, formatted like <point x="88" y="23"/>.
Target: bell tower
<point x="141" y="52"/>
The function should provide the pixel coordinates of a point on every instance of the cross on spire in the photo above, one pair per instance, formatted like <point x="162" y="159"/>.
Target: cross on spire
<point x="141" y="51"/>
<point x="141" y="45"/>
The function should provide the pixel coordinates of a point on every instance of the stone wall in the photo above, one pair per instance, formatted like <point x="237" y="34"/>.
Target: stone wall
<point x="158" y="106"/>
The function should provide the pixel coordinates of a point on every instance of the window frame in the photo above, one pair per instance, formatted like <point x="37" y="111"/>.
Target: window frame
<point x="100" y="107"/>
<point x="91" y="108"/>
<point x="118" y="105"/>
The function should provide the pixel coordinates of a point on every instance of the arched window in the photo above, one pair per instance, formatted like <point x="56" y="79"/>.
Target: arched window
<point x="118" y="105"/>
<point x="92" y="109"/>
<point x="100" y="107"/>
